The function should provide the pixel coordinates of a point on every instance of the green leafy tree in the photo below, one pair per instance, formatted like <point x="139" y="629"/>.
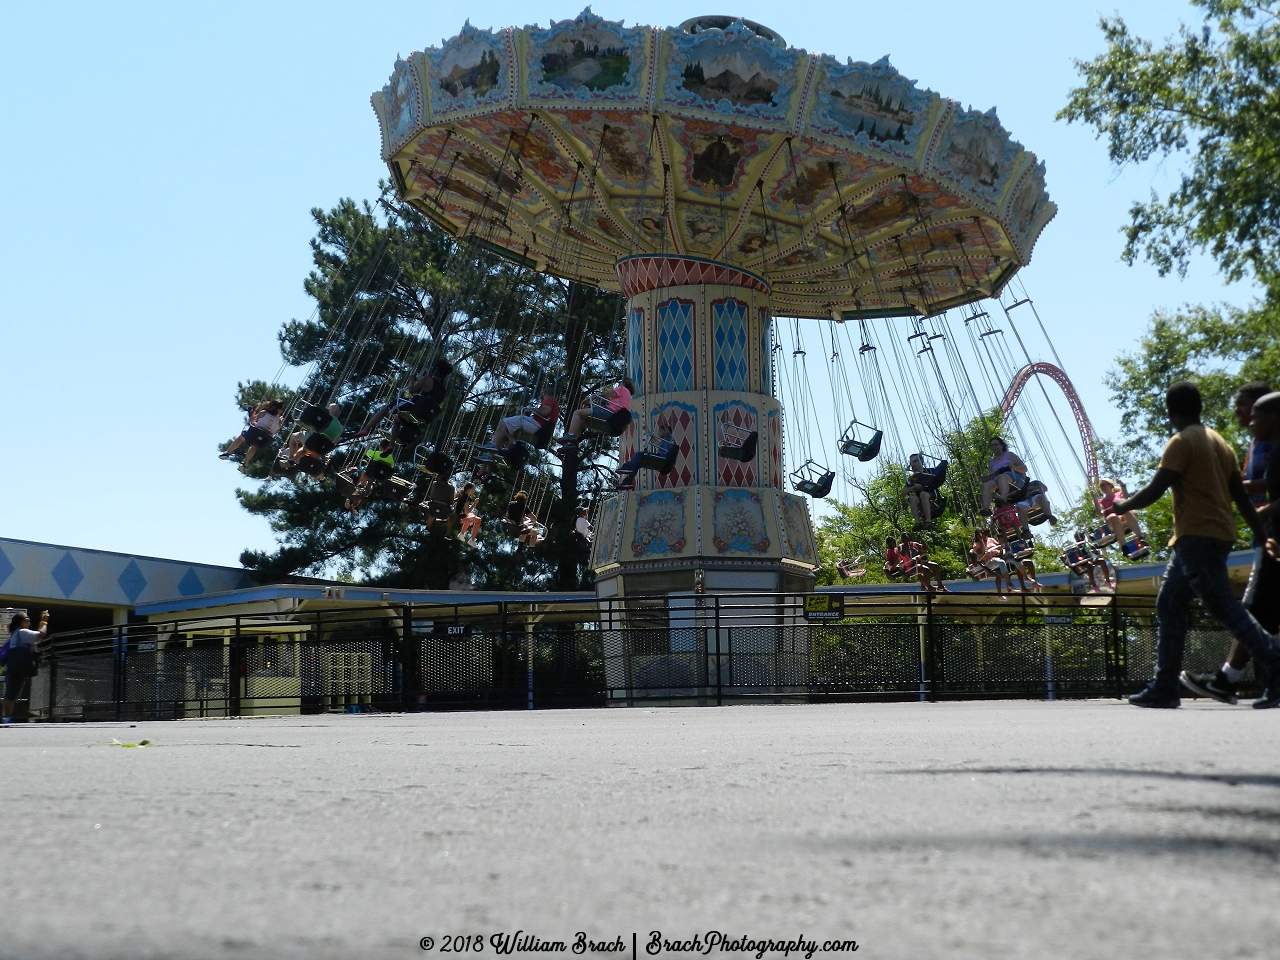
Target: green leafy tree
<point x="394" y="293"/>
<point x="860" y="529"/>
<point x="1209" y="94"/>
<point x="1210" y="97"/>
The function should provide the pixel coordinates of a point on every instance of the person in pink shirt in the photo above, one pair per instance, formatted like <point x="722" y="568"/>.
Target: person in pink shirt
<point x="616" y="398"/>
<point x="1111" y="492"/>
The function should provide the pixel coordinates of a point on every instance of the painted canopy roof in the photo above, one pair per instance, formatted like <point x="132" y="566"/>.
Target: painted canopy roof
<point x="850" y="189"/>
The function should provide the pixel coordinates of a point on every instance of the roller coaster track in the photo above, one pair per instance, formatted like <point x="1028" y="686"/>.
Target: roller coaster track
<point x="1023" y="377"/>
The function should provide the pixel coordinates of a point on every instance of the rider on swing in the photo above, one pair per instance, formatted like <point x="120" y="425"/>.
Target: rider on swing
<point x="920" y="485"/>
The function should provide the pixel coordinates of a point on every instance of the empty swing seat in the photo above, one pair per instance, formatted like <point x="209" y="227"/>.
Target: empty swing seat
<point x="861" y="450"/>
<point x="434" y="463"/>
<point x="737" y="443"/>
<point x="1135" y="549"/>
<point x="813" y="479"/>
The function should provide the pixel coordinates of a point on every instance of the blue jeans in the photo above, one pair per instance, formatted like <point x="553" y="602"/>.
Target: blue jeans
<point x="1198" y="567"/>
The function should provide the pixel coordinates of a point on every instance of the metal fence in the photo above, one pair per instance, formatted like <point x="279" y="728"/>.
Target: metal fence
<point x="680" y="650"/>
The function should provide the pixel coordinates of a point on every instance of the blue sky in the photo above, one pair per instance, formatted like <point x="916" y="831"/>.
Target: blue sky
<point x="160" y="162"/>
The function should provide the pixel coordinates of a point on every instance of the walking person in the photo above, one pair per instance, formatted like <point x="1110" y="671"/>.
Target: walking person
<point x="20" y="661"/>
<point x="1201" y="468"/>
<point x="1262" y="594"/>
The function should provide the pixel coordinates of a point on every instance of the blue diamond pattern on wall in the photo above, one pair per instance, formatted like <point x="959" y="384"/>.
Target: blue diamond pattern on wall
<point x="675" y="346"/>
<point x="67" y="574"/>
<point x="635" y="349"/>
<point x="131" y="581"/>
<point x="729" y="322"/>
<point x="6" y="568"/>
<point x="190" y="585"/>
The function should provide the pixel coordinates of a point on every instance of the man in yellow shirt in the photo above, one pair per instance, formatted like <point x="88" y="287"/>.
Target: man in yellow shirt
<point x="1201" y="468"/>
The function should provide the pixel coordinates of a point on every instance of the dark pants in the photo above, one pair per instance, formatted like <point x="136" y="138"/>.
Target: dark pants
<point x="20" y="666"/>
<point x="1198" y="568"/>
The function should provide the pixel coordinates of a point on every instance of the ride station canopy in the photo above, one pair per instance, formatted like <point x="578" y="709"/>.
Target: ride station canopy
<point x="850" y="190"/>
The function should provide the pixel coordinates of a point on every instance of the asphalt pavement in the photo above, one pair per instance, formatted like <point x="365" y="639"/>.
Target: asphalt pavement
<point x="955" y="830"/>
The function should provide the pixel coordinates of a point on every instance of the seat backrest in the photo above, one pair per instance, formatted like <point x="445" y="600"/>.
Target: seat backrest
<point x="618" y="422"/>
<point x="872" y="448"/>
<point x="317" y="418"/>
<point x="378" y="469"/>
<point x="542" y="439"/>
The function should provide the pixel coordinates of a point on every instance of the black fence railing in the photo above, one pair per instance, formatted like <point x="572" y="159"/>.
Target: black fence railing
<point x="525" y="655"/>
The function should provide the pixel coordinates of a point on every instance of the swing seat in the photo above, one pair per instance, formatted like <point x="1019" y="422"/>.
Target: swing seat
<point x="435" y="509"/>
<point x="516" y="455"/>
<point x="1102" y="536"/>
<point x="378" y="470"/>
<point x="317" y="418"/>
<point x="345" y="484"/>
<point x="937" y="503"/>
<point x="741" y="451"/>
<point x="818" y="488"/>
<point x="851" y="569"/>
<point x="435" y="463"/>
<point x="311" y="466"/>
<point x="319" y="444"/>
<point x="410" y="433"/>
<point x="395" y="488"/>
<point x="1135" y="549"/>
<point x="285" y="467"/>
<point x="863" y="450"/>
<point x="542" y="439"/>
<point x="1036" y="516"/>
<point x="977" y="571"/>
<point x="419" y="409"/>
<point x="1021" y="549"/>
<point x="614" y="425"/>
<point x="813" y="479"/>
<point x="663" y="464"/>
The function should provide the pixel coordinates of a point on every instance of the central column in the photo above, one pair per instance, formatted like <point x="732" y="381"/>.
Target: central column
<point x="699" y="351"/>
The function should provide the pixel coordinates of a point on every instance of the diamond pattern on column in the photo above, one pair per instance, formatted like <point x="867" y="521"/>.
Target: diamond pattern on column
<point x="6" y="567"/>
<point x="635" y="349"/>
<point x="675" y="346"/>
<point x="729" y="329"/>
<point x="775" y="448"/>
<point x="640" y="273"/>
<point x="735" y="473"/>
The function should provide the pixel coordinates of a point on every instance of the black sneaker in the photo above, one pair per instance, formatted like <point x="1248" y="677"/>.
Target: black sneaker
<point x="1215" y="685"/>
<point x="1151" y="697"/>
<point x="1270" y="697"/>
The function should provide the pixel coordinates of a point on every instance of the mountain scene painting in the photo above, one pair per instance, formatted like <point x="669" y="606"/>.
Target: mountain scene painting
<point x="480" y="76"/>
<point x="733" y="82"/>
<point x="579" y="63"/>
<point x="877" y="106"/>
